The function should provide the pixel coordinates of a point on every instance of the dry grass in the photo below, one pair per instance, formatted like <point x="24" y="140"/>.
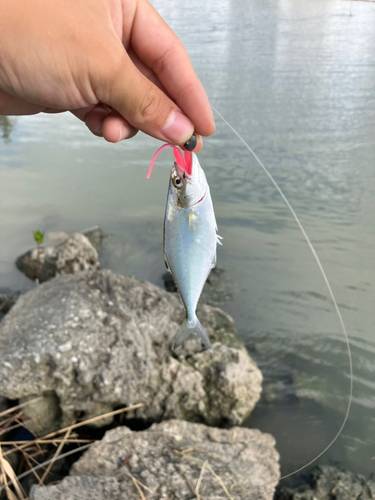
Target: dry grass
<point x="30" y="450"/>
<point x="205" y="465"/>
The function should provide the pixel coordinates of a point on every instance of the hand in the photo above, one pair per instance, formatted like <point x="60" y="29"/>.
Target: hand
<point x="115" y="64"/>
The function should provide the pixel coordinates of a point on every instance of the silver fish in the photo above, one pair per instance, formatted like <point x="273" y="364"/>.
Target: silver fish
<point x="190" y="241"/>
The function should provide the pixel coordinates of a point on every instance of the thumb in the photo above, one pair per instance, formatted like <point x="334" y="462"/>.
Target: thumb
<point x="141" y="103"/>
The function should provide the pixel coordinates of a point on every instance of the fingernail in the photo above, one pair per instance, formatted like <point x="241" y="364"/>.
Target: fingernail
<point x="178" y="128"/>
<point x="122" y="133"/>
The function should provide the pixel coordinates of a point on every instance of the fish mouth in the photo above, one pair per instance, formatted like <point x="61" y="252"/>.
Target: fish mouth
<point x="184" y="163"/>
<point x="182" y="172"/>
<point x="187" y="198"/>
<point x="199" y="201"/>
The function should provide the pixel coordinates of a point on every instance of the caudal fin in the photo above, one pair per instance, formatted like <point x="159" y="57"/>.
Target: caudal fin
<point x="191" y="328"/>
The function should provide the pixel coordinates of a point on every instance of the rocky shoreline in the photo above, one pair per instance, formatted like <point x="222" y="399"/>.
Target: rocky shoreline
<point x="167" y="461"/>
<point x="88" y="342"/>
<point x="329" y="483"/>
<point x="94" y="341"/>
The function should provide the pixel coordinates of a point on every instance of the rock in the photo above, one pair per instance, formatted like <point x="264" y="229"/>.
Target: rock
<point x="168" y="460"/>
<point x="331" y="483"/>
<point x="7" y="301"/>
<point x="74" y="254"/>
<point x="55" y="237"/>
<point x="43" y="413"/>
<point x="95" y="235"/>
<point x="217" y="290"/>
<point x="79" y="488"/>
<point x="100" y="341"/>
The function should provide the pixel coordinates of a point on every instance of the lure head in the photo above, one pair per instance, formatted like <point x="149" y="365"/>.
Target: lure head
<point x="188" y="188"/>
<point x="187" y="178"/>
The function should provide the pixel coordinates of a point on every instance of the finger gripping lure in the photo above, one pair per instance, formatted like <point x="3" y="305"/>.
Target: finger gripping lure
<point x="190" y="236"/>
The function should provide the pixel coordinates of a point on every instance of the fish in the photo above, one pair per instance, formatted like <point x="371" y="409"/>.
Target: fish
<point x="190" y="237"/>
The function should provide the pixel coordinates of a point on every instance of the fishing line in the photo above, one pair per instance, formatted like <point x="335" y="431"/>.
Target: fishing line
<point x="330" y="291"/>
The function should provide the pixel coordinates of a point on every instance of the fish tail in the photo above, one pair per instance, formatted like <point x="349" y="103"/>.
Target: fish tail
<point x="192" y="327"/>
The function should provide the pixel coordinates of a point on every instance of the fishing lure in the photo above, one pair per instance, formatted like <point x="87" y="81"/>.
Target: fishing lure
<point x="190" y="236"/>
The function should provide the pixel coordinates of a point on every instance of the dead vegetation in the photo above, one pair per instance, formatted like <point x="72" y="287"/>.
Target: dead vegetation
<point x="21" y="458"/>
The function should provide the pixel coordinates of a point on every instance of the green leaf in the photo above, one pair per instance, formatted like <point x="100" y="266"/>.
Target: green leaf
<point x="38" y="236"/>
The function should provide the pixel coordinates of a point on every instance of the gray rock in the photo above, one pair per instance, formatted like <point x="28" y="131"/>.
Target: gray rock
<point x="331" y="483"/>
<point x="100" y="340"/>
<point x="168" y="460"/>
<point x="7" y="301"/>
<point x="55" y="237"/>
<point x="95" y="235"/>
<point x="43" y="413"/>
<point x="79" y="488"/>
<point x="73" y="255"/>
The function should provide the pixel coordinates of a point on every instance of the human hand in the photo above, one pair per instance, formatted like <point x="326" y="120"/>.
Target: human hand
<point x="115" y="64"/>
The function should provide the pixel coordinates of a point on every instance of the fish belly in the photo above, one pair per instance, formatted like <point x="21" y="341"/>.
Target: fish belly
<point x="190" y="249"/>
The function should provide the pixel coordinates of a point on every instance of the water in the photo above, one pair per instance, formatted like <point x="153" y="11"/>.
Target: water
<point x="296" y="78"/>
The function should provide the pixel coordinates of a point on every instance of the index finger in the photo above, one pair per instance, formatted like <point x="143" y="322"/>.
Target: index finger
<point x="162" y="51"/>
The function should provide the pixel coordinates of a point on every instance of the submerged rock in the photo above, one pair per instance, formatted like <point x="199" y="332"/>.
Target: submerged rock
<point x="168" y="461"/>
<point x="73" y="255"/>
<point x="95" y="235"/>
<point x="94" y="341"/>
<point x="331" y="483"/>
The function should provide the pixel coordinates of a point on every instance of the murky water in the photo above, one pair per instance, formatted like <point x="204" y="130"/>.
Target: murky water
<point x="296" y="78"/>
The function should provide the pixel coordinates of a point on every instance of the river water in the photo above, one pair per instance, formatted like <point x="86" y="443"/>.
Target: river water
<point x="297" y="79"/>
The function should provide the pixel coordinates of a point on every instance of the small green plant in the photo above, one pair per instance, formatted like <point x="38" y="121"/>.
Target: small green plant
<point x="38" y="237"/>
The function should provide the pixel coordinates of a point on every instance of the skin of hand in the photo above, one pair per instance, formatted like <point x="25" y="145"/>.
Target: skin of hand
<point x="115" y="64"/>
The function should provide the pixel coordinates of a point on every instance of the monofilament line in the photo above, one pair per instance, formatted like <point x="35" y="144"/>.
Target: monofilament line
<point x="330" y="291"/>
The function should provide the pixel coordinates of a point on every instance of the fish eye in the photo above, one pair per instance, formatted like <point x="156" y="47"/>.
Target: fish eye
<point x="177" y="183"/>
